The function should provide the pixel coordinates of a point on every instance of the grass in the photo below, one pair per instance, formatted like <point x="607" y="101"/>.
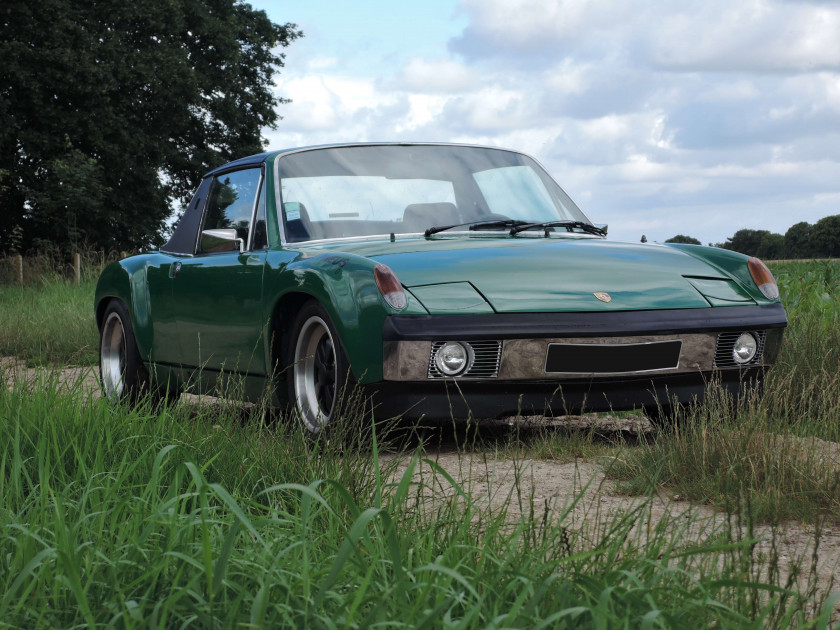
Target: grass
<point x="780" y="450"/>
<point x="49" y="322"/>
<point x="183" y="517"/>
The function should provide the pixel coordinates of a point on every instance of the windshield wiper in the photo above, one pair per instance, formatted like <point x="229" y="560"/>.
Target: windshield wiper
<point x="477" y="225"/>
<point x="569" y="225"/>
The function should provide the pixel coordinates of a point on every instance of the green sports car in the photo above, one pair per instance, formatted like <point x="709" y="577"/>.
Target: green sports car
<point x="443" y="280"/>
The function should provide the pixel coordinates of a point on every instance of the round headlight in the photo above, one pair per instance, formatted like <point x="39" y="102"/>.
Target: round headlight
<point x="452" y="358"/>
<point x="745" y="348"/>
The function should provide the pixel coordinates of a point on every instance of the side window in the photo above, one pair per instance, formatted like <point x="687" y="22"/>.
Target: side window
<point x="231" y="201"/>
<point x="260" y="230"/>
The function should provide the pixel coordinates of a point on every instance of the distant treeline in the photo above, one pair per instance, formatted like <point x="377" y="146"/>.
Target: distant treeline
<point x="802" y="240"/>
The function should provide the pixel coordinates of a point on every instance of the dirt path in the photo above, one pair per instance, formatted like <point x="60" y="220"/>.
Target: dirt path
<point x="13" y="370"/>
<point x="586" y="500"/>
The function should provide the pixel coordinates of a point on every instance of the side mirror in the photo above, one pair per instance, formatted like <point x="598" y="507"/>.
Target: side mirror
<point x="603" y="226"/>
<point x="221" y="241"/>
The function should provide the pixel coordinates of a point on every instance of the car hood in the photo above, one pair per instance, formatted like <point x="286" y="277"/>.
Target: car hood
<point x="549" y="274"/>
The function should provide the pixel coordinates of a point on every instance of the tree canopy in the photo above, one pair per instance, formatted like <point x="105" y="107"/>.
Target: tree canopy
<point x="798" y="240"/>
<point x="682" y="238"/>
<point x="802" y="240"/>
<point x="113" y="110"/>
<point x="825" y="237"/>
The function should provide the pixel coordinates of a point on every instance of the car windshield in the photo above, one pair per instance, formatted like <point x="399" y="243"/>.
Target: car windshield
<point x="370" y="190"/>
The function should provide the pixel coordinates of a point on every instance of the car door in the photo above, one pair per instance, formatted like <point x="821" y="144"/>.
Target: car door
<point x="217" y="293"/>
<point x="160" y="274"/>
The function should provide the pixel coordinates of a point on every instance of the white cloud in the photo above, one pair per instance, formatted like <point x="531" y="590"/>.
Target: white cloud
<point x="658" y="117"/>
<point x="530" y="24"/>
<point x="437" y="76"/>
<point x="754" y="35"/>
<point x="714" y="35"/>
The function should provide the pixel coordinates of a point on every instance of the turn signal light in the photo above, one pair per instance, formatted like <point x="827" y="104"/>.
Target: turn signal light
<point x="763" y="279"/>
<point x="390" y="287"/>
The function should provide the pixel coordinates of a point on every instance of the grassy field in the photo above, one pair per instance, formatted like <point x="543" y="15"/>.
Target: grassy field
<point x="186" y="516"/>
<point x="769" y="450"/>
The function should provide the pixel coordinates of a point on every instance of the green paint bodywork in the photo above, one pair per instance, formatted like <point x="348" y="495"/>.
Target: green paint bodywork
<point x="219" y="314"/>
<point x="451" y="298"/>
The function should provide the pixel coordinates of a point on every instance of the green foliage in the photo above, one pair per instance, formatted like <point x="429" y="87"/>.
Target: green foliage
<point x="802" y="240"/>
<point x="50" y="322"/>
<point x="745" y="241"/>
<point x="772" y="247"/>
<point x="825" y="237"/>
<point x="681" y="238"/>
<point x="798" y="240"/>
<point x="113" y="110"/>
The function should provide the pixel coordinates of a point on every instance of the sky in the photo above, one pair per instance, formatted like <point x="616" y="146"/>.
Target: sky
<point x="658" y="117"/>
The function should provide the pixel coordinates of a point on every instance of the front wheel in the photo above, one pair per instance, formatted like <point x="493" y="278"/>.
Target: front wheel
<point x="122" y="373"/>
<point x="319" y="369"/>
<point x="121" y="370"/>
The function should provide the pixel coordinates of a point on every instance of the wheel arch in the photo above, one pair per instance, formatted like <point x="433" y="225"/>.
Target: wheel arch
<point x="345" y="286"/>
<point x="120" y="281"/>
<point x="280" y="322"/>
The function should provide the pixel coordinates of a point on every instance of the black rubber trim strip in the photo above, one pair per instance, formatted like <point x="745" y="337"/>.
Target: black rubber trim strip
<point x="609" y="324"/>
<point x="192" y="368"/>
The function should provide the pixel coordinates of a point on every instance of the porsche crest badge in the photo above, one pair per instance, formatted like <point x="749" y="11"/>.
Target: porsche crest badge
<point x="603" y="296"/>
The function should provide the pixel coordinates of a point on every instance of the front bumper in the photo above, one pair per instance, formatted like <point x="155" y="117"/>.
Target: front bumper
<point x="520" y="381"/>
<point x="454" y="399"/>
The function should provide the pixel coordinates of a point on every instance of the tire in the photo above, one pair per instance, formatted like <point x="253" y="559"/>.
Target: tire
<point x="319" y="370"/>
<point x="122" y="373"/>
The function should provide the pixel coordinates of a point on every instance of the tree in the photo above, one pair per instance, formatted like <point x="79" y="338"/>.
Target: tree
<point x="113" y="110"/>
<point x="745" y="241"/>
<point x="772" y="247"/>
<point x="798" y="240"/>
<point x="825" y="237"/>
<point x="681" y="238"/>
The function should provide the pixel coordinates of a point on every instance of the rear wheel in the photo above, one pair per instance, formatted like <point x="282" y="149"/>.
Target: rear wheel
<point x="319" y="369"/>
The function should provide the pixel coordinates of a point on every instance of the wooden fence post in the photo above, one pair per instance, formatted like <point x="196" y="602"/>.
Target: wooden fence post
<point x="20" y="268"/>
<point x="77" y="267"/>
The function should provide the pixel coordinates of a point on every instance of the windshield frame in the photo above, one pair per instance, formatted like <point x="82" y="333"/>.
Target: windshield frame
<point x="285" y="243"/>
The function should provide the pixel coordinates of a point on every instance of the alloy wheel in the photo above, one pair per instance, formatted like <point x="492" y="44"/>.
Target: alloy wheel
<point x="315" y="375"/>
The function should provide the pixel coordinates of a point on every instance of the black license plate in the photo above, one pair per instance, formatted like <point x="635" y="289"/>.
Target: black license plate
<point x="604" y="358"/>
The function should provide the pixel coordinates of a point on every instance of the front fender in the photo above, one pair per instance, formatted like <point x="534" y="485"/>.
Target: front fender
<point x="728" y="262"/>
<point x="344" y="284"/>
<point x="126" y="280"/>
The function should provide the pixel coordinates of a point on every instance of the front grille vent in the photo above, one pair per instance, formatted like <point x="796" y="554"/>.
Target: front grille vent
<point x="487" y="355"/>
<point x="726" y="343"/>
